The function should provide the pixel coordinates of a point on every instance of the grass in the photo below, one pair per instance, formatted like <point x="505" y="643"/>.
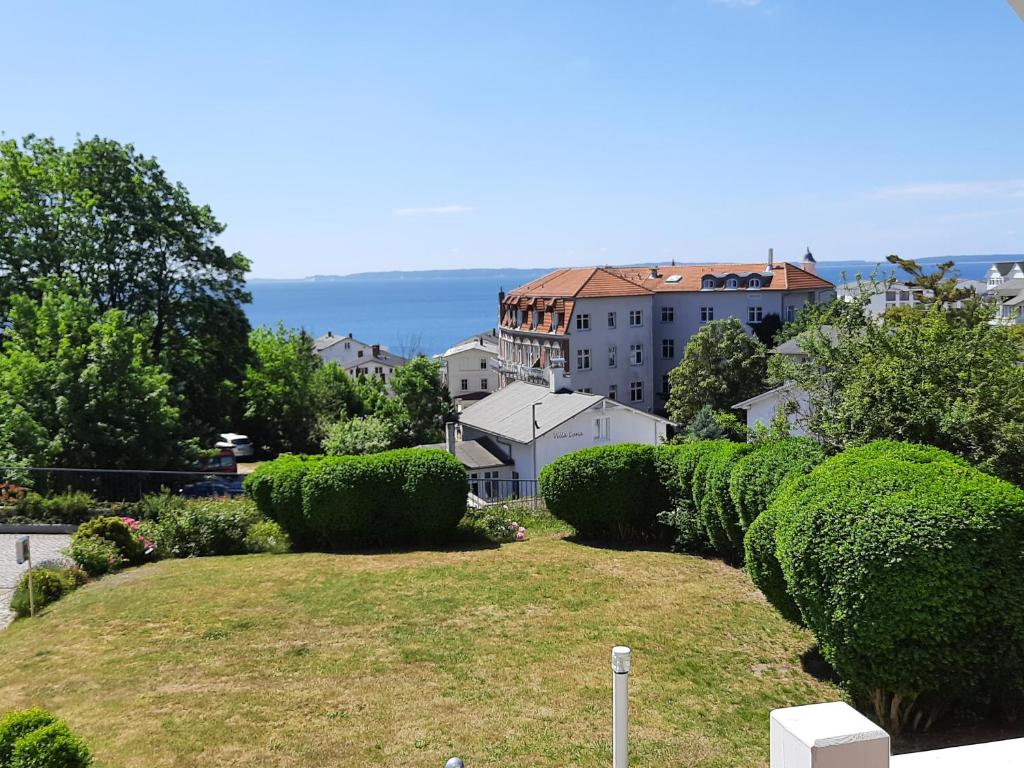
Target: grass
<point x="500" y="655"/>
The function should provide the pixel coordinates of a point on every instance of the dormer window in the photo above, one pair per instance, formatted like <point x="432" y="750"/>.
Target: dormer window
<point x="732" y="283"/>
<point x="708" y="284"/>
<point x="754" y="282"/>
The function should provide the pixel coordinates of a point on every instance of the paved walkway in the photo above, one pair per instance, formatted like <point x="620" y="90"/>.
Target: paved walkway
<point x="45" y="547"/>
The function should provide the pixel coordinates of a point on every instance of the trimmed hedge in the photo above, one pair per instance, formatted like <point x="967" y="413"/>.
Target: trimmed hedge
<point x="762" y="564"/>
<point x="52" y="746"/>
<point x="18" y="723"/>
<point x="675" y="465"/>
<point x="712" y="499"/>
<point x="338" y="502"/>
<point x="907" y="567"/>
<point x="608" y="492"/>
<point x="758" y="474"/>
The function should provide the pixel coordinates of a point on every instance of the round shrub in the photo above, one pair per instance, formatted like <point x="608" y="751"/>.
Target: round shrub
<point x="896" y="449"/>
<point x="756" y="475"/>
<point x="276" y="487"/>
<point x="763" y="565"/>
<point x="116" y="530"/>
<point x="14" y="725"/>
<point x="711" y="497"/>
<point x="910" y="574"/>
<point x="49" y="584"/>
<point x="267" y="536"/>
<point x="51" y="746"/>
<point x="96" y="556"/>
<point x="675" y="465"/>
<point x="384" y="498"/>
<point x="610" y="492"/>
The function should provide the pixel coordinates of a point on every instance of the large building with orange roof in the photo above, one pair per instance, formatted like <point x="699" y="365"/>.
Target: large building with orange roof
<point x="620" y="330"/>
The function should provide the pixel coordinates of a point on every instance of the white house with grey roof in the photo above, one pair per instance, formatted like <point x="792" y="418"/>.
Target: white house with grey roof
<point x="467" y="368"/>
<point x="512" y="434"/>
<point x="356" y="357"/>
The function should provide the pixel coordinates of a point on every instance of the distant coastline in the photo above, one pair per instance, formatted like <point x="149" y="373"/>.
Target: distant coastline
<point x="519" y="272"/>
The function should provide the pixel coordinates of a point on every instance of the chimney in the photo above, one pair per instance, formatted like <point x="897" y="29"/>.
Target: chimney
<point x="449" y="437"/>
<point x="654" y="273"/>
<point x="376" y="350"/>
<point x="809" y="264"/>
<point x="330" y="335"/>
<point x="501" y="303"/>
<point x="771" y="258"/>
<point x="558" y="379"/>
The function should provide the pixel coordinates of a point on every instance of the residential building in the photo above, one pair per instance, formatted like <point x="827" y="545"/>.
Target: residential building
<point x="357" y="357"/>
<point x="467" y="368"/>
<point x="898" y="294"/>
<point x="620" y="330"/>
<point x="505" y="439"/>
<point x="1004" y="284"/>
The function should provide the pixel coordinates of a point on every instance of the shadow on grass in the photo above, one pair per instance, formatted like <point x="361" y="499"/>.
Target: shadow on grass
<point x="815" y="665"/>
<point x="957" y="730"/>
<point x="619" y="546"/>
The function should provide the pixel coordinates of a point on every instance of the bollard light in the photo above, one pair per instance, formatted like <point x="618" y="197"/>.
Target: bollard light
<point x="621" y="659"/>
<point x="454" y="762"/>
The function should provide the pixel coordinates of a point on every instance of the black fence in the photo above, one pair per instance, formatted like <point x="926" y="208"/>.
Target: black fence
<point x="501" y="491"/>
<point x="116" y="485"/>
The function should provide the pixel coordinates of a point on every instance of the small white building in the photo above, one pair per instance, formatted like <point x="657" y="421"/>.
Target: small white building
<point x="468" y="369"/>
<point x="789" y="398"/>
<point x="357" y="357"/>
<point x="506" y="439"/>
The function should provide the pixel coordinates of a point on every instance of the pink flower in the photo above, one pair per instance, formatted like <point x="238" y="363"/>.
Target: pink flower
<point x="520" y="534"/>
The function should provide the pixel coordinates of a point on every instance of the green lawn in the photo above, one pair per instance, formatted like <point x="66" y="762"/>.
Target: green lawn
<point x="498" y="655"/>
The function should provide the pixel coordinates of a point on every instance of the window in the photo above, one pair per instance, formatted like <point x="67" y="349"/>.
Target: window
<point x="348" y="345"/>
<point x="707" y="314"/>
<point x="665" y="386"/>
<point x="636" y="318"/>
<point x="582" y="322"/>
<point x="890" y="295"/>
<point x="483" y="363"/>
<point x="636" y="354"/>
<point x="754" y="314"/>
<point x="732" y="283"/>
<point x="636" y="391"/>
<point x="583" y="359"/>
<point x="603" y="429"/>
<point x="613" y="392"/>
<point x="708" y="283"/>
<point x="790" y="313"/>
<point x="556" y="320"/>
<point x="474" y="486"/>
<point x="754" y="282"/>
<point x="904" y="295"/>
<point x="464" y="385"/>
<point x="515" y="483"/>
<point x="483" y="384"/>
<point x="668" y="348"/>
<point x="359" y="353"/>
<point x="379" y="371"/>
<point x="668" y="314"/>
<point x="586" y="390"/>
<point x="534" y="318"/>
<point x="611" y="319"/>
<point x="613" y="356"/>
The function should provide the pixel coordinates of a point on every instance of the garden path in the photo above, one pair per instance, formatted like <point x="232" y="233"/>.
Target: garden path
<point x="46" y="546"/>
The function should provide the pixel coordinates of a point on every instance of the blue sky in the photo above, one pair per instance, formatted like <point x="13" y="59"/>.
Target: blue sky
<point x="337" y="137"/>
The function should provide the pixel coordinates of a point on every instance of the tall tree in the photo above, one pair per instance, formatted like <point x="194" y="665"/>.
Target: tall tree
<point x="424" y="400"/>
<point x="721" y="366"/>
<point x="76" y="389"/>
<point x="136" y="242"/>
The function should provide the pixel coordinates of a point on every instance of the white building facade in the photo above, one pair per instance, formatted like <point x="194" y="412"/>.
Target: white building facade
<point x="621" y="331"/>
<point x="467" y="369"/>
<point x="357" y="358"/>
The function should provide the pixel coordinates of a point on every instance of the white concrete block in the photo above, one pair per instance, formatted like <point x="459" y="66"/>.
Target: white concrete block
<point x="832" y="735"/>
<point x="994" y="754"/>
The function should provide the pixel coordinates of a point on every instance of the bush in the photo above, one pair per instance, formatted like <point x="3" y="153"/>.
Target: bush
<point x="276" y="487"/>
<point x="384" y="498"/>
<point x="763" y="565"/>
<point x="756" y="475"/>
<point x="116" y="530"/>
<point x="907" y="567"/>
<point x="675" y="465"/>
<point x="610" y="492"/>
<point x="14" y="725"/>
<point x="711" y="497"/>
<point x="52" y="746"/>
<point x="267" y="536"/>
<point x="498" y="524"/>
<point x="153" y="506"/>
<point x="96" y="556"/>
<point x="70" y="508"/>
<point x="49" y="584"/>
<point x="204" y="527"/>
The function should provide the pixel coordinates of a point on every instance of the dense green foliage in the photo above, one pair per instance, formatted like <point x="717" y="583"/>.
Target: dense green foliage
<point x="928" y="374"/>
<point x="360" y="435"/>
<point x="203" y="527"/>
<point x="675" y="466"/>
<point x="267" y="536"/>
<point x="14" y="725"/>
<point x="117" y="531"/>
<point x="343" y="501"/>
<point x="910" y="574"/>
<point x="51" y="746"/>
<point x="709" y="424"/>
<point x="425" y="402"/>
<point x="762" y="562"/>
<point x="94" y="555"/>
<point x="608" y="492"/>
<point x="711" y="496"/>
<point x="722" y="365"/>
<point x="49" y="583"/>
<point x="137" y="245"/>
<point x="69" y="508"/>
<point x="757" y="474"/>
<point x="78" y="387"/>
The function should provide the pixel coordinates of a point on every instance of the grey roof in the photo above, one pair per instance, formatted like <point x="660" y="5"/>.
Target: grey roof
<point x="476" y="454"/>
<point x="1016" y="301"/>
<point x="507" y="412"/>
<point x="764" y="395"/>
<point x="1010" y="288"/>
<point x="792" y="346"/>
<point x="1005" y="267"/>
<point x="329" y="340"/>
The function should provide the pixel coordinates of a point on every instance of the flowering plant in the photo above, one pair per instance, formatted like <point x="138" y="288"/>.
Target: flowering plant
<point x="496" y="524"/>
<point x="133" y="525"/>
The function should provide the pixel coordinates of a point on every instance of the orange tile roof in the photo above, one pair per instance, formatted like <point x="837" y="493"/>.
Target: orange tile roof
<point x="578" y="282"/>
<point x="785" y="276"/>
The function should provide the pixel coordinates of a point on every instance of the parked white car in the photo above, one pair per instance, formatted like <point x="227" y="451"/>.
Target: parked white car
<point x="240" y="445"/>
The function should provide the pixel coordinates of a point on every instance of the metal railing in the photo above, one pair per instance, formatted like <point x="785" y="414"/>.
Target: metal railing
<point x="492" y="491"/>
<point x="109" y="485"/>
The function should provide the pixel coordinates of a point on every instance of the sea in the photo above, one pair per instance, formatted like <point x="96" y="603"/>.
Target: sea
<point x="428" y="312"/>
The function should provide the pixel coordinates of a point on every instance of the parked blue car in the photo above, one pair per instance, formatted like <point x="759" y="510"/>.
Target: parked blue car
<point x="220" y="486"/>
